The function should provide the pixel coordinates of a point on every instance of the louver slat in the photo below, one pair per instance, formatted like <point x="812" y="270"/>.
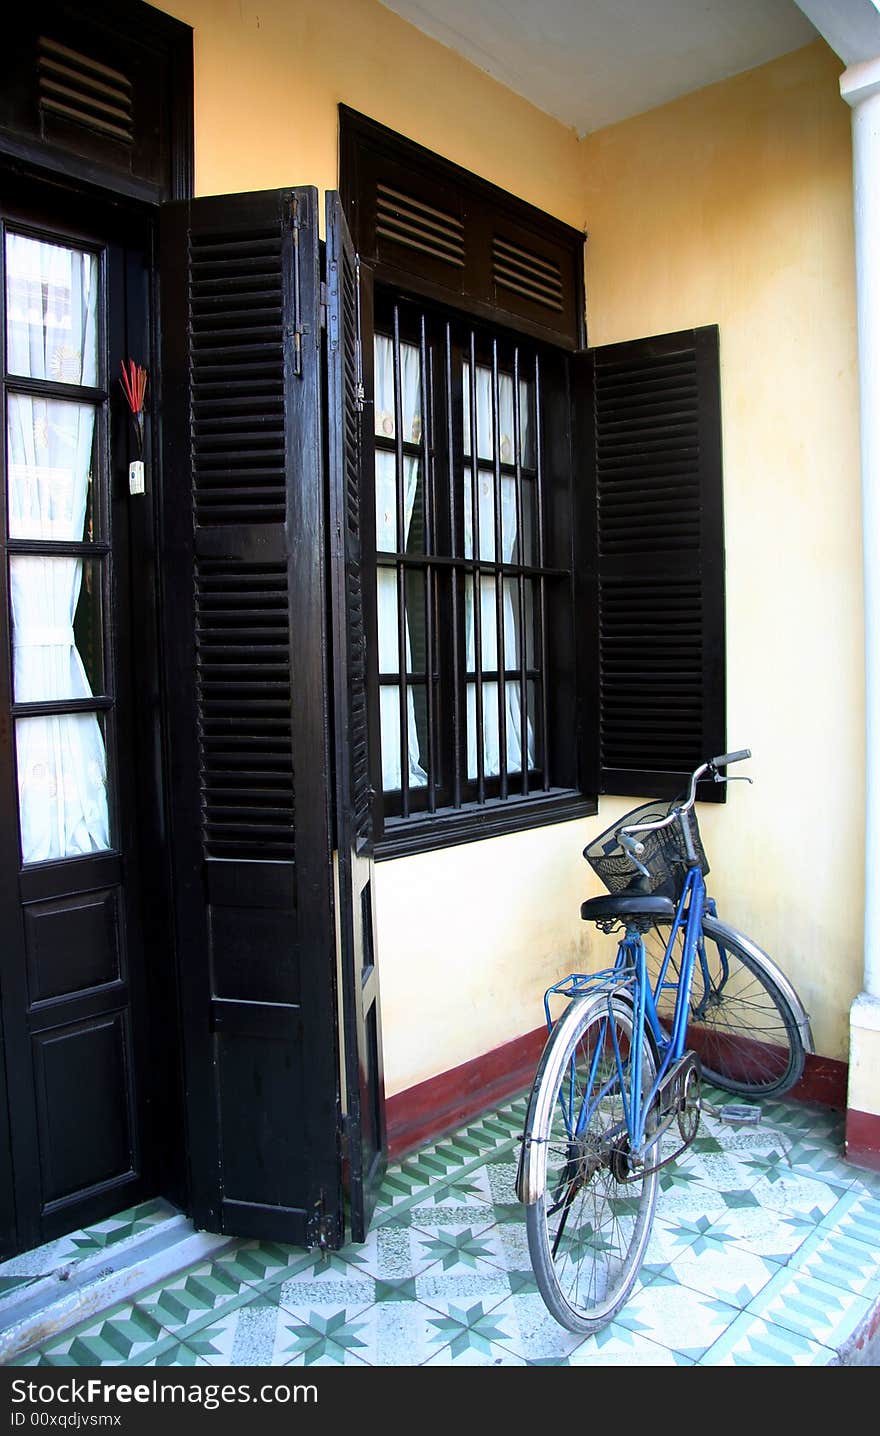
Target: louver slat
<point x="523" y="272"/>
<point x="237" y="333"/>
<point x="78" y="88"/>
<point x="244" y="706"/>
<point x="656" y="438"/>
<point x="408" y="221"/>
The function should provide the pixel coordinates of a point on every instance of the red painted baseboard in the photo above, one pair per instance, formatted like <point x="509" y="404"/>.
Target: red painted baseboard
<point x="425" y="1112"/>
<point x="863" y="1139"/>
<point x="442" y="1103"/>
<point x="824" y="1080"/>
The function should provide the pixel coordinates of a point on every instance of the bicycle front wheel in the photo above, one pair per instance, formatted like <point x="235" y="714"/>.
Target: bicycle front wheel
<point x="588" y="1230"/>
<point x="741" y="1023"/>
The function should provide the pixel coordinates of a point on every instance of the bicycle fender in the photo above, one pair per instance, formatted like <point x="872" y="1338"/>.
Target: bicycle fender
<point x="717" y="930"/>
<point x="532" y="1169"/>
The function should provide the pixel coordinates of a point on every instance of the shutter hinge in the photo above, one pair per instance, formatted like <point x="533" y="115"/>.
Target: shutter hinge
<point x="323" y="305"/>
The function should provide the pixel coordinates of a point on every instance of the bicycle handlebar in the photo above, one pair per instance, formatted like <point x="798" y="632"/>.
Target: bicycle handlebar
<point x="711" y="766"/>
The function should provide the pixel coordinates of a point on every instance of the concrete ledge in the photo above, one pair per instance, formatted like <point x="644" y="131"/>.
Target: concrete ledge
<point x="46" y="1307"/>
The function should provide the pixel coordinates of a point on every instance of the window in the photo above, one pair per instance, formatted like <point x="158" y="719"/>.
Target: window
<point x="473" y="581"/>
<point x="548" y="618"/>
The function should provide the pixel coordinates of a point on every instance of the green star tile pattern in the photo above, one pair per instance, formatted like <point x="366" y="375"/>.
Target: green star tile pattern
<point x="765" y="1250"/>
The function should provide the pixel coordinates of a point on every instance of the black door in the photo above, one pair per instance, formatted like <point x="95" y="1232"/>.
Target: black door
<point x="244" y="559"/>
<point x="257" y="589"/>
<point x="352" y="523"/>
<point x="75" y="289"/>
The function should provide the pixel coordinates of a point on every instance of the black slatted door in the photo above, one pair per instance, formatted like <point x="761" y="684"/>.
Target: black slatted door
<point x="247" y="677"/>
<point x="352" y="586"/>
<point x="653" y="427"/>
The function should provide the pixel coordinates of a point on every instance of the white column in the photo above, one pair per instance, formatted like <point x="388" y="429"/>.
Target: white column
<point x="860" y="87"/>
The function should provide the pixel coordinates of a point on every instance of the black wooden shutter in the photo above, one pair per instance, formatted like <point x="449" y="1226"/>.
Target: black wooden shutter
<point x="246" y="640"/>
<point x="654" y="424"/>
<point x="353" y="587"/>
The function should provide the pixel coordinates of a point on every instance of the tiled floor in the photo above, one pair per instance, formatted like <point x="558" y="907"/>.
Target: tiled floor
<point x="765" y="1252"/>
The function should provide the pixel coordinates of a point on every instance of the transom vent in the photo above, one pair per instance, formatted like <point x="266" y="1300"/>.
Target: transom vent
<point x="410" y="222"/>
<point x="76" y="87"/>
<point x="525" y="273"/>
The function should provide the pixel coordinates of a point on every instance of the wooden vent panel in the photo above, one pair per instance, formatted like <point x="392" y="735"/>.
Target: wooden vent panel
<point x="78" y="88"/>
<point x="647" y="456"/>
<point x="237" y="327"/>
<point x="530" y="275"/>
<point x="244" y="709"/>
<point x="411" y="222"/>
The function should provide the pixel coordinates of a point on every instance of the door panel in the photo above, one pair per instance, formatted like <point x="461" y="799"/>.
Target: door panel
<point x="247" y="675"/>
<point x="72" y="976"/>
<point x="357" y="780"/>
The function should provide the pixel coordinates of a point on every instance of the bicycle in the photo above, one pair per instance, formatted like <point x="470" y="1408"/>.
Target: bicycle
<point x="687" y="996"/>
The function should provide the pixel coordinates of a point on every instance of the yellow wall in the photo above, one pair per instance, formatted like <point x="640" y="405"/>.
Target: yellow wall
<point x="733" y="207"/>
<point x="269" y="76"/>
<point x="730" y="207"/>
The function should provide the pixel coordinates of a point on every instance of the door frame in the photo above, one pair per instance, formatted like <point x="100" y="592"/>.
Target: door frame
<point x="69" y="165"/>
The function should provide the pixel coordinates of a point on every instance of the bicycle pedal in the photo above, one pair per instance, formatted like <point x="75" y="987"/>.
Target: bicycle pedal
<point x="739" y="1112"/>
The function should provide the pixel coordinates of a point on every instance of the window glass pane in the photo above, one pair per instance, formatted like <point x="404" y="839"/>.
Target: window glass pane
<point x="410" y="390"/>
<point x="50" y="446"/>
<point x="488" y="622"/>
<point x="386" y="504"/>
<point x="512" y="633"/>
<point x="526" y="552"/>
<point x="491" y="741"/>
<point x="506" y="416"/>
<point x="386" y="607"/>
<point x="389" y="713"/>
<point x="51" y="311"/>
<point x="485" y="513"/>
<point x="62" y="786"/>
<point x="57" y="639"/>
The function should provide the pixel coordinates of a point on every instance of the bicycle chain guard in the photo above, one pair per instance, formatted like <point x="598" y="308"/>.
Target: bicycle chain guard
<point x="680" y="1091"/>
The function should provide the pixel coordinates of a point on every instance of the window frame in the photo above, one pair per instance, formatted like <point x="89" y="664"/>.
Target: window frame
<point x="466" y="817"/>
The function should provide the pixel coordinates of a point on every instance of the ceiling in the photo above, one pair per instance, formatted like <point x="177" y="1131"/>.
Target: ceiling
<point x="591" y="63"/>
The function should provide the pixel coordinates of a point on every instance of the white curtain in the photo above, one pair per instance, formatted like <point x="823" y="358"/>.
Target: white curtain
<point x="488" y="613"/>
<point x="51" y="334"/>
<point x="387" y="541"/>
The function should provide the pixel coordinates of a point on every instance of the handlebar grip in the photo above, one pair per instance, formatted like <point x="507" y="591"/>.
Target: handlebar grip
<point x="726" y="758"/>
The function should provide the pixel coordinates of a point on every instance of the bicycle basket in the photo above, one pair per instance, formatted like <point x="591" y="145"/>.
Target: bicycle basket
<point x="665" y="855"/>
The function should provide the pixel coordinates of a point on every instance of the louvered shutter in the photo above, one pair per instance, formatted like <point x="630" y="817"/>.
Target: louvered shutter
<point x="655" y="436"/>
<point x="248" y="692"/>
<point x="353" y="584"/>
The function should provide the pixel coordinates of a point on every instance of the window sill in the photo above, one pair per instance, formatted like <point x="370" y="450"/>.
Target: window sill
<point x="450" y="827"/>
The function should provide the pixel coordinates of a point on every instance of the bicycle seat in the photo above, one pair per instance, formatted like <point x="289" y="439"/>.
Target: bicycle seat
<point x="608" y="907"/>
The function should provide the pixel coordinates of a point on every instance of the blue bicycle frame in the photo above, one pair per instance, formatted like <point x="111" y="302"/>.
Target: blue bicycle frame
<point x="629" y="977"/>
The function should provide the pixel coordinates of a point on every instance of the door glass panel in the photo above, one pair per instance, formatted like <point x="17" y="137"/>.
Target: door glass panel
<point x="62" y="786"/>
<point x="50" y="445"/>
<point x="57" y="639"/>
<point x="51" y="311"/>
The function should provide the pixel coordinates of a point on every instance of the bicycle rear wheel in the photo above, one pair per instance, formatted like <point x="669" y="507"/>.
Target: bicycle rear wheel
<point x="588" y="1230"/>
<point x="743" y="1026"/>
